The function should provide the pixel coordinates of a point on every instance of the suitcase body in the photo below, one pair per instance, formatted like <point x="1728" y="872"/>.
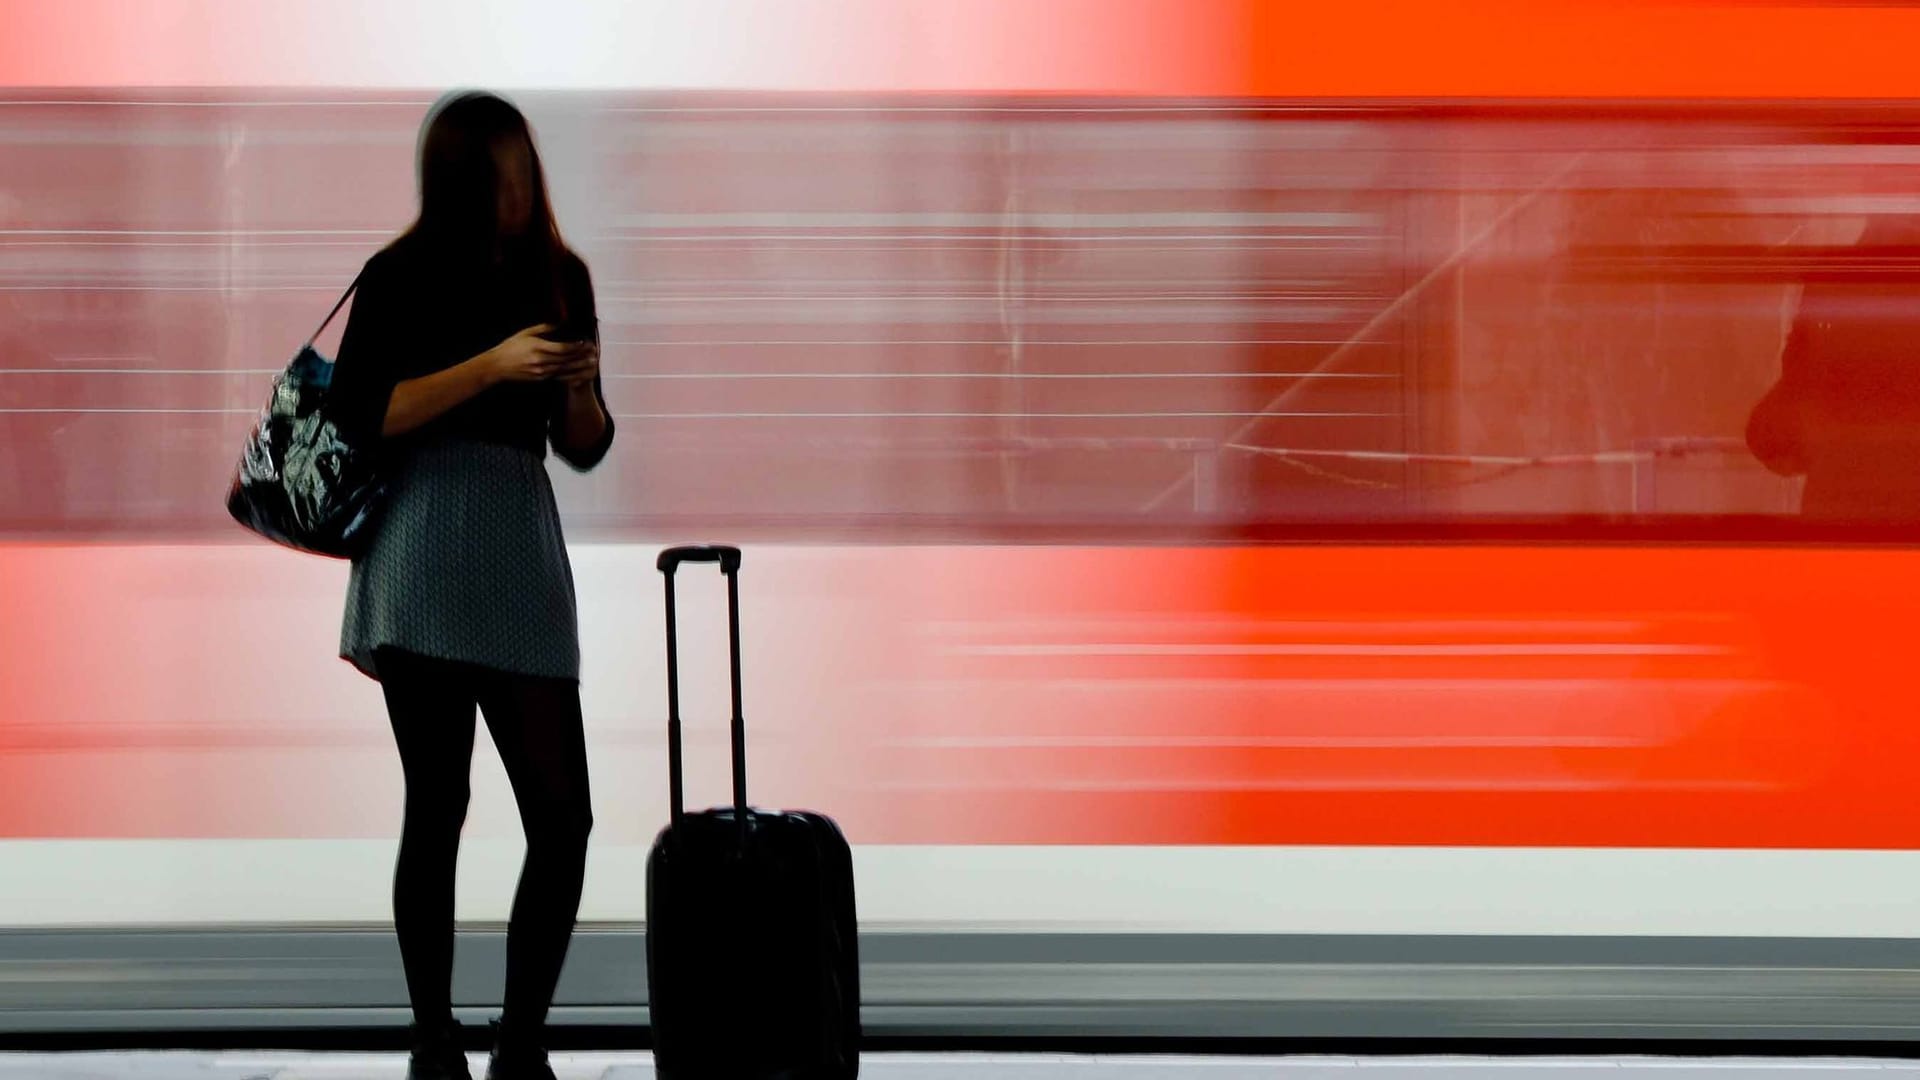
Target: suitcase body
<point x="751" y="936"/>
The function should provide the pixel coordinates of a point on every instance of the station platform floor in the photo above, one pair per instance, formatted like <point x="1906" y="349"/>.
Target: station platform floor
<point x="637" y="1065"/>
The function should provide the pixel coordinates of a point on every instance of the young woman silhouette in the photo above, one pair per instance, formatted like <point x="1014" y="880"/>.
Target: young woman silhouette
<point x="472" y="345"/>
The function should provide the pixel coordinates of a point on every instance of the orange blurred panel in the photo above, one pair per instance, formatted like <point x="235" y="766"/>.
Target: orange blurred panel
<point x="1597" y="696"/>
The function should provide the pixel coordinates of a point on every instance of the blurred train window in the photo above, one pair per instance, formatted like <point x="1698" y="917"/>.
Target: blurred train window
<point x="976" y="319"/>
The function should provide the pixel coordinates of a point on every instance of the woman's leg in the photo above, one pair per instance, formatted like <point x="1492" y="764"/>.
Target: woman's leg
<point x="536" y="724"/>
<point x="430" y="703"/>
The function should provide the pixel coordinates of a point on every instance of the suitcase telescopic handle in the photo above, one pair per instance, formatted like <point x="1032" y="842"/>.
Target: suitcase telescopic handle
<point x="727" y="557"/>
<point x="729" y="560"/>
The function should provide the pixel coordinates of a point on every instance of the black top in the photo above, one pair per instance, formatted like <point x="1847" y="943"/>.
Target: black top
<point x="414" y="314"/>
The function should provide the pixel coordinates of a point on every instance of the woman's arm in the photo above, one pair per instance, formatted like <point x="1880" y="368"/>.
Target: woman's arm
<point x="365" y="396"/>
<point x="582" y="423"/>
<point x="416" y="402"/>
<point x="581" y="427"/>
<point x="375" y="336"/>
<point x="524" y="357"/>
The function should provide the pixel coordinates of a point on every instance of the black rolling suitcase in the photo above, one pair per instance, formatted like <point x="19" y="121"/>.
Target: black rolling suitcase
<point x="752" y="965"/>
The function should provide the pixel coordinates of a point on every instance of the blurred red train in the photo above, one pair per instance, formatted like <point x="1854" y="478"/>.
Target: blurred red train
<point x="1234" y="567"/>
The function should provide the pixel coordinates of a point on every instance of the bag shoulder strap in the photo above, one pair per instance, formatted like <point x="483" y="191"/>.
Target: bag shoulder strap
<point x="337" y="305"/>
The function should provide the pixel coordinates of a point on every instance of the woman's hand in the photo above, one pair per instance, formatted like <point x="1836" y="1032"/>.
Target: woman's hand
<point x="528" y="357"/>
<point x="524" y="357"/>
<point x="583" y="367"/>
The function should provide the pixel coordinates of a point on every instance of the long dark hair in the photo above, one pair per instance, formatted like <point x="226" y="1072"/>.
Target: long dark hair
<point x="459" y="182"/>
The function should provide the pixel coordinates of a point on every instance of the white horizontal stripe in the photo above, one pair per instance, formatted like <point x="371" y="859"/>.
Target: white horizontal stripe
<point x="1570" y="648"/>
<point x="1256" y="742"/>
<point x="779" y="415"/>
<point x="1173" y="783"/>
<point x="135" y="104"/>
<point x="139" y="371"/>
<point x="1325" y="890"/>
<point x="982" y="294"/>
<point x="196" y="232"/>
<point x="170" y="245"/>
<point x="334" y="287"/>
<point x="1102" y="375"/>
<point x="152" y="412"/>
<point x="987" y="241"/>
<point x="1251" y="107"/>
<point x="791" y="375"/>
<point x="1172" y="624"/>
<point x="1030" y="344"/>
<point x="871" y="220"/>
<point x="981" y="242"/>
<point x="988" y="415"/>
<point x="1322" y="241"/>
<point x="1003" y="241"/>
<point x="1385" y="685"/>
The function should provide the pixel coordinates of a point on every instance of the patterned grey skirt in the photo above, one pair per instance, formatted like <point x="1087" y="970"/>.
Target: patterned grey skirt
<point x="468" y="564"/>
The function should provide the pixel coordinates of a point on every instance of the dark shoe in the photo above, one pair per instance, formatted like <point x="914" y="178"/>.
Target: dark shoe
<point x="517" y="1058"/>
<point x="438" y="1053"/>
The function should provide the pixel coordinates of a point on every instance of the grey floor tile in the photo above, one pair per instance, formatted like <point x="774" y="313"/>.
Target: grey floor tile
<point x="638" y="1066"/>
<point x="130" y="1066"/>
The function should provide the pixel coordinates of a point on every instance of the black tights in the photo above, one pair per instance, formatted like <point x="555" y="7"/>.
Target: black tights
<point x="535" y="723"/>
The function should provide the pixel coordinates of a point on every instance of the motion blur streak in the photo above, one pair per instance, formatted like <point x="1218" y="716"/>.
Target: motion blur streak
<point x="1729" y="49"/>
<point x="1063" y="695"/>
<point x="1376" y="518"/>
